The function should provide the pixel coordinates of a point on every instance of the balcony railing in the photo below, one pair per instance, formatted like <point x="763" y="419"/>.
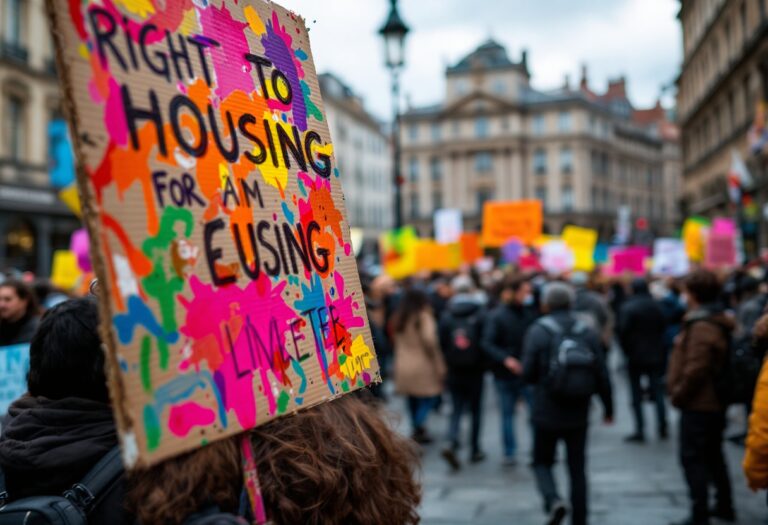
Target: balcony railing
<point x="14" y="51"/>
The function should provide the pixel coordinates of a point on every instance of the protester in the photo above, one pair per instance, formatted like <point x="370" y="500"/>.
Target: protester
<point x="756" y="455"/>
<point x="419" y="366"/>
<point x="695" y="366"/>
<point x="503" y="343"/>
<point x="57" y="432"/>
<point x="674" y="310"/>
<point x="592" y="308"/>
<point x="564" y="386"/>
<point x="18" y="313"/>
<point x="460" y="339"/>
<point x="641" y="331"/>
<point x="338" y="463"/>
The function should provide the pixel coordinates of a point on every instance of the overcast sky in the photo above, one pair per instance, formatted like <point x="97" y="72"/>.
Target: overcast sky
<point x="640" y="39"/>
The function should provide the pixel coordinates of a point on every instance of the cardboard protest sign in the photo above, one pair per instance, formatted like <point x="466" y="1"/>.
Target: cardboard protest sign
<point x="670" y="258"/>
<point x="229" y="290"/>
<point x="721" y="251"/>
<point x="502" y="220"/>
<point x="630" y="259"/>
<point x="448" y="226"/>
<point x="470" y="247"/>
<point x="582" y="241"/>
<point x="694" y="237"/>
<point x="436" y="257"/>
<point x="557" y="257"/>
<point x="14" y="365"/>
<point x="398" y="252"/>
<point x="65" y="272"/>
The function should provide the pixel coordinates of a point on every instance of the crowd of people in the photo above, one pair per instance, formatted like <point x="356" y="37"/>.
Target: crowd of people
<point x="696" y="342"/>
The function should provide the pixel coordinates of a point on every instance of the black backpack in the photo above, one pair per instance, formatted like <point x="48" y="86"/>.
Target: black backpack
<point x="71" y="508"/>
<point x="462" y="347"/>
<point x="572" y="374"/>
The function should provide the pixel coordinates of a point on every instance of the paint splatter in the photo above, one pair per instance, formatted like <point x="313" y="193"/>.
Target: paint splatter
<point x="184" y="417"/>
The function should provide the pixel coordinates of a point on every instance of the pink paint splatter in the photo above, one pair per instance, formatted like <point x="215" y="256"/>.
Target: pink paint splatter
<point x="186" y="416"/>
<point x="114" y="115"/>
<point x="229" y="33"/>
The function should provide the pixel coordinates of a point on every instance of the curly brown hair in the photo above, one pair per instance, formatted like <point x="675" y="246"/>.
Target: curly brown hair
<point x="337" y="463"/>
<point x="173" y="490"/>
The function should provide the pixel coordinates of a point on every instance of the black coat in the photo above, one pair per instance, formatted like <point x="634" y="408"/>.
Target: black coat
<point x="549" y="412"/>
<point x="49" y="445"/>
<point x="462" y="307"/>
<point x="642" y="327"/>
<point x="503" y="336"/>
<point x="19" y="332"/>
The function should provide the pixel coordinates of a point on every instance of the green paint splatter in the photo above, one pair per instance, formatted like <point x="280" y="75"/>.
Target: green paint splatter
<point x="312" y="109"/>
<point x="203" y="442"/>
<point x="146" y="368"/>
<point x="342" y="359"/>
<point x="151" y="427"/>
<point x="345" y="385"/>
<point x="282" y="402"/>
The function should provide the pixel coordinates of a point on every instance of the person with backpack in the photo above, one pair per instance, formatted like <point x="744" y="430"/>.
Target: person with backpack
<point x="697" y="382"/>
<point x="564" y="360"/>
<point x="502" y="343"/>
<point x="54" y="436"/>
<point x="460" y="330"/>
<point x="641" y="335"/>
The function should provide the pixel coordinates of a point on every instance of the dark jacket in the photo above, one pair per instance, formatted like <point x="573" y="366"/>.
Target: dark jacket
<point x="641" y="332"/>
<point x="674" y="311"/>
<point x="700" y="351"/>
<point x="462" y="306"/>
<point x="549" y="412"/>
<point x="503" y="335"/>
<point x="48" y="445"/>
<point x="18" y="332"/>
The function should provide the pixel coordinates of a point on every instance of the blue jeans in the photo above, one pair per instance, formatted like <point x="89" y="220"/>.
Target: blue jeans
<point x="509" y="391"/>
<point x="419" y="408"/>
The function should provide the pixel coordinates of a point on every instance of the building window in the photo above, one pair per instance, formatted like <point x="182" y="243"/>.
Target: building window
<point x="16" y="127"/>
<point x="456" y="128"/>
<point x="461" y="87"/>
<point x="413" y="132"/>
<point x="437" y="200"/>
<point x="566" y="160"/>
<point x="12" y="16"/>
<point x="566" y="198"/>
<point x="499" y="87"/>
<point x="436" y="132"/>
<point x="538" y="125"/>
<point x="413" y="169"/>
<point x="414" y="205"/>
<point x="481" y="127"/>
<point x="483" y="196"/>
<point x="541" y="195"/>
<point x="540" y="161"/>
<point x="435" y="169"/>
<point x="483" y="161"/>
<point x="564" y="122"/>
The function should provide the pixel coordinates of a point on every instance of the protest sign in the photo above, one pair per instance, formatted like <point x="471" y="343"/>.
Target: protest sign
<point x="229" y="290"/>
<point x="65" y="271"/>
<point x="14" y="364"/>
<point x="630" y="259"/>
<point x="694" y="237"/>
<point x="398" y="252"/>
<point x="470" y="247"/>
<point x="670" y="258"/>
<point x="511" y="251"/>
<point x="557" y="257"/>
<point x="80" y="246"/>
<point x="520" y="219"/>
<point x="448" y="226"/>
<point x="721" y="251"/>
<point x="436" y="257"/>
<point x="582" y="241"/>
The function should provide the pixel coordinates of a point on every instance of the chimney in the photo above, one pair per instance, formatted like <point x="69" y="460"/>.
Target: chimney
<point x="617" y="88"/>
<point x="524" y="59"/>
<point x="567" y="82"/>
<point x="584" y="84"/>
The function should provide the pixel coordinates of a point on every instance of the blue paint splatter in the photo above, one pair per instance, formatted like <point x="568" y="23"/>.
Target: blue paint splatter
<point x="139" y="314"/>
<point x="287" y="212"/>
<point x="293" y="280"/>
<point x="301" y="55"/>
<point x="336" y="172"/>
<point x="314" y="298"/>
<point x="302" y="188"/>
<point x="303" y="387"/>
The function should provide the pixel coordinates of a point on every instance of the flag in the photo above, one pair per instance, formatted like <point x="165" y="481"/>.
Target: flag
<point x="739" y="178"/>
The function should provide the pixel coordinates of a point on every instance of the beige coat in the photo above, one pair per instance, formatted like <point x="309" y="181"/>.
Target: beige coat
<point x="419" y="366"/>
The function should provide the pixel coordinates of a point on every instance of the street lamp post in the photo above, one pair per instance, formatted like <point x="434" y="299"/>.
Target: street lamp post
<point x="394" y="31"/>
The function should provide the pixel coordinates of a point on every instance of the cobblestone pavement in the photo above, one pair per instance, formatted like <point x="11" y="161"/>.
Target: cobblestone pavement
<point x="629" y="484"/>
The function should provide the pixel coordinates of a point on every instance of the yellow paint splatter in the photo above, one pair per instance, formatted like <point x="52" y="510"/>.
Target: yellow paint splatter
<point x="189" y="23"/>
<point x="359" y="361"/>
<point x="82" y="49"/>
<point x="257" y="26"/>
<point x="142" y="8"/>
<point x="318" y="149"/>
<point x="274" y="176"/>
<point x="223" y="175"/>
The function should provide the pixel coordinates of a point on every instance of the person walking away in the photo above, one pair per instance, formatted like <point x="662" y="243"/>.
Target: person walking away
<point x="503" y="334"/>
<point x="641" y="335"/>
<point x="756" y="454"/>
<point x="693" y="380"/>
<point x="565" y="361"/>
<point x="674" y="310"/>
<point x="592" y="308"/>
<point x="419" y="365"/>
<point x="460" y="331"/>
<point x="18" y="313"/>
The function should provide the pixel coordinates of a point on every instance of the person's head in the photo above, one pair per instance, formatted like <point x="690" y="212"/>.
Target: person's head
<point x="748" y="287"/>
<point x="65" y="355"/>
<point x="640" y="287"/>
<point x="16" y="300"/>
<point x="517" y="291"/>
<point x="558" y="297"/>
<point x="579" y="279"/>
<point x="173" y="490"/>
<point x="702" y="287"/>
<point x="412" y="304"/>
<point x="338" y="462"/>
<point x="462" y="284"/>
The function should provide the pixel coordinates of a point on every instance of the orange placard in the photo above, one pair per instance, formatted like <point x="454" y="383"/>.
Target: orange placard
<point x="503" y="220"/>
<point x="470" y="247"/>
<point x="436" y="257"/>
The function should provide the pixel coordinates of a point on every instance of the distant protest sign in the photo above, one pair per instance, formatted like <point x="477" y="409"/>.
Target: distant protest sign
<point x="448" y="226"/>
<point x="229" y="290"/>
<point x="503" y="220"/>
<point x="670" y="258"/>
<point x="14" y="364"/>
<point x="582" y="241"/>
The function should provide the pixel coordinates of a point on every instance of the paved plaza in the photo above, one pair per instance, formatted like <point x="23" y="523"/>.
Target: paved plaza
<point x="629" y="484"/>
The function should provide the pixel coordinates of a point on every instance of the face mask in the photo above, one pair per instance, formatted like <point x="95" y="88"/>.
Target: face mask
<point x="528" y="301"/>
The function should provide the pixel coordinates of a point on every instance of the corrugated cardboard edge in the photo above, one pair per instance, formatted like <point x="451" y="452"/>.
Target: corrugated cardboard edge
<point x="90" y="219"/>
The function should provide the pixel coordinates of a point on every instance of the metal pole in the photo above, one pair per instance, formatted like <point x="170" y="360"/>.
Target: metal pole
<point x="397" y="179"/>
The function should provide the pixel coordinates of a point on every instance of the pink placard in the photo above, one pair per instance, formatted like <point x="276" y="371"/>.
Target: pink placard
<point x="630" y="259"/>
<point x="80" y="244"/>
